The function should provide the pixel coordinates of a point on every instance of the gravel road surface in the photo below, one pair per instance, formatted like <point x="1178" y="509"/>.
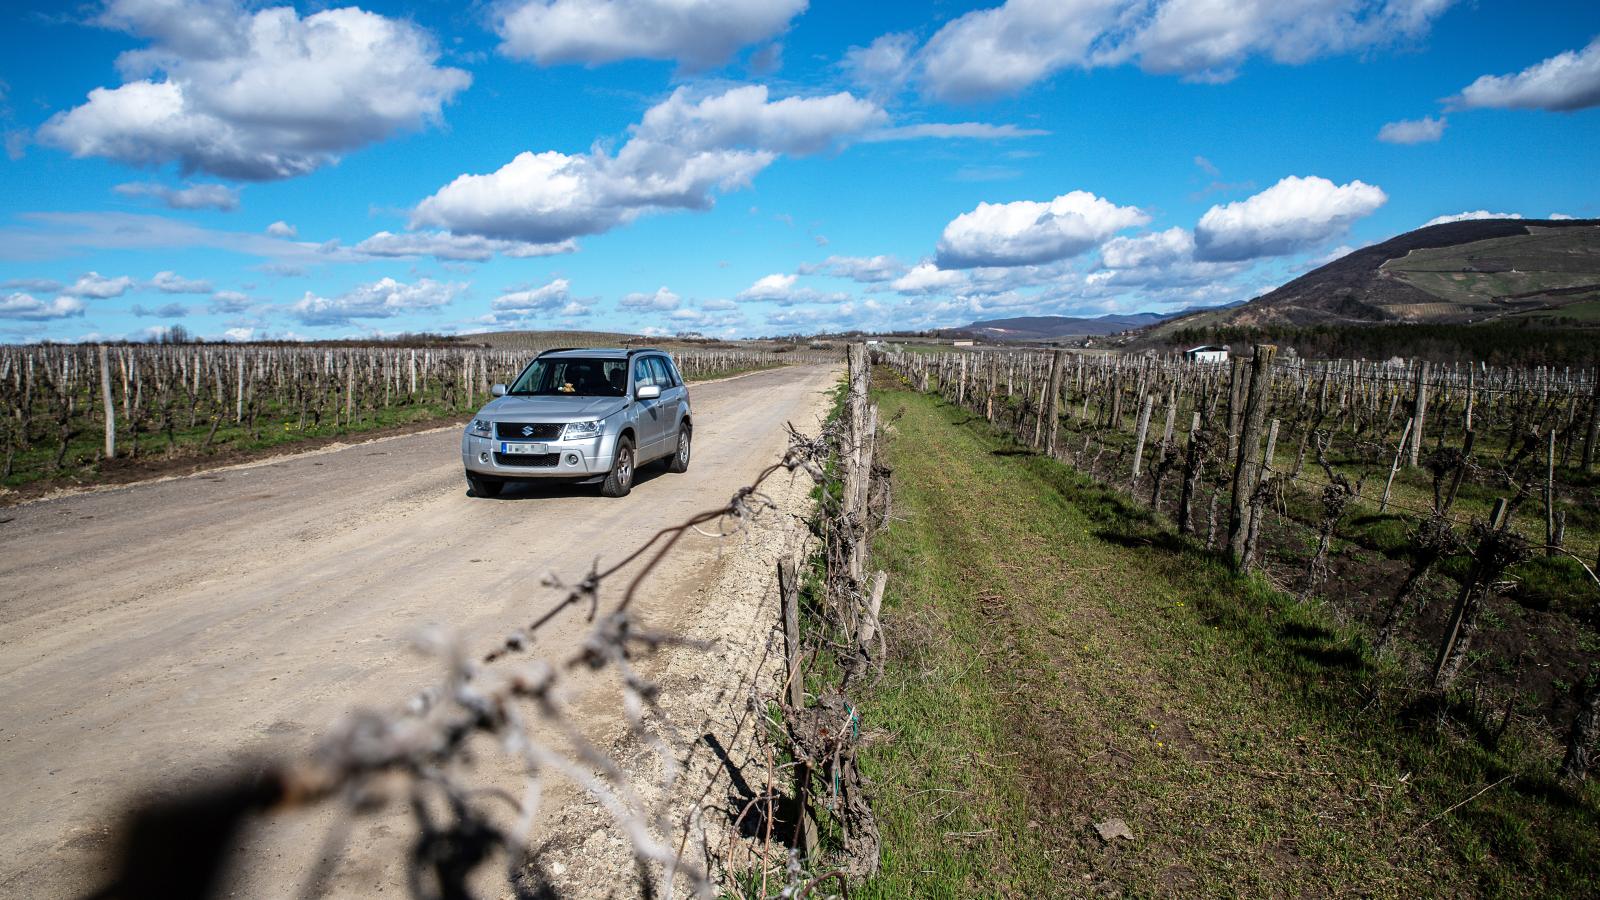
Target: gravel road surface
<point x="157" y="632"/>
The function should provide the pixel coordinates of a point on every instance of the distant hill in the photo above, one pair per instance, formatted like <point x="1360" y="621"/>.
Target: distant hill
<point x="1455" y="273"/>
<point x="1051" y="328"/>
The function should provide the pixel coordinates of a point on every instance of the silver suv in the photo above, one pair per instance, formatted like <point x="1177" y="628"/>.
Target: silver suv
<point x="590" y="416"/>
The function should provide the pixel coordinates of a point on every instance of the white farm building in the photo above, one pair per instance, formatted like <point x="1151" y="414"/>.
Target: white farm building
<point x="1206" y="353"/>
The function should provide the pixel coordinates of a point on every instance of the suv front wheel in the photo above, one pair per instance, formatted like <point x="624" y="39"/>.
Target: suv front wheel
<point x="620" y="481"/>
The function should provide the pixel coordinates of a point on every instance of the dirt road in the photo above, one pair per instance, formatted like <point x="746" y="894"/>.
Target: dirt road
<point x="152" y="633"/>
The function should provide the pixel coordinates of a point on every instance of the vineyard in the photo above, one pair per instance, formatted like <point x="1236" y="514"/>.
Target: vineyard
<point x="81" y="413"/>
<point x="1449" y="512"/>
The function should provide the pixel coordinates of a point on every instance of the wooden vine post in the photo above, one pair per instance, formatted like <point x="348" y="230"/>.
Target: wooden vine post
<point x="1144" y="429"/>
<point x="1058" y="361"/>
<point x="110" y="407"/>
<point x="1236" y="385"/>
<point x="1593" y="434"/>
<point x="1419" y="411"/>
<point x="1550" y="541"/>
<point x="1585" y="728"/>
<point x="1247" y="466"/>
<point x="1399" y="450"/>
<point x="795" y="695"/>
<point x="1486" y="566"/>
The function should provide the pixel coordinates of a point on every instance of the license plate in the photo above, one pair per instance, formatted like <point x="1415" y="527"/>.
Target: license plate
<point x="521" y="449"/>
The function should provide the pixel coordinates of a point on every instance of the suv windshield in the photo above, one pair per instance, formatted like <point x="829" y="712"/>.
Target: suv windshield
<point x="573" y="377"/>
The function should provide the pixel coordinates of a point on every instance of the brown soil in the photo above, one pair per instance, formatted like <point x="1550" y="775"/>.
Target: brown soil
<point x="1530" y="654"/>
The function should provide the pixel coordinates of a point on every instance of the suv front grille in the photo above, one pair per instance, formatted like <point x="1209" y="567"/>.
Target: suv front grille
<point x="528" y="460"/>
<point x="519" y="431"/>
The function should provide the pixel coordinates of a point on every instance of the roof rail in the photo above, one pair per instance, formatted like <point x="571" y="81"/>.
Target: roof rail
<point x="556" y="350"/>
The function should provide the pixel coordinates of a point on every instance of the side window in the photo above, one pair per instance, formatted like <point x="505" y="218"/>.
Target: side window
<point x="643" y="372"/>
<point x="663" y="372"/>
<point x="672" y="371"/>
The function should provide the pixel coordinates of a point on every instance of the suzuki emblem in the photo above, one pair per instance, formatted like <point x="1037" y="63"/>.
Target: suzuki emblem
<point x="527" y="431"/>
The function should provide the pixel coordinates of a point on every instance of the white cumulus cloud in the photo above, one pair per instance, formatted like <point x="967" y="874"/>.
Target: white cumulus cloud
<point x="29" y="308"/>
<point x="746" y="116"/>
<point x="695" y="33"/>
<point x="927" y="278"/>
<point x="230" y="302"/>
<point x="1413" y="131"/>
<point x="661" y="299"/>
<point x="382" y="299"/>
<point x="769" y="287"/>
<point x="1294" y="214"/>
<point x="1159" y="248"/>
<point x="173" y="283"/>
<point x="167" y="311"/>
<point x="1563" y="83"/>
<point x="282" y="229"/>
<point x="1004" y="49"/>
<point x="865" y="269"/>
<point x="684" y="149"/>
<point x="93" y="284"/>
<point x="444" y="245"/>
<point x="997" y="51"/>
<point x="545" y="298"/>
<point x="1029" y="232"/>
<point x="256" y="95"/>
<point x="780" y="288"/>
<point x="190" y="196"/>
<point x="553" y="300"/>
<point x="1207" y="41"/>
<point x="1469" y="217"/>
<point x="883" y="66"/>
<point x="1158" y="260"/>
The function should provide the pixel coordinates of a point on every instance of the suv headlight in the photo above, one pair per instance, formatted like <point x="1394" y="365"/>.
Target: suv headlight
<point x="480" y="428"/>
<point x="578" y="431"/>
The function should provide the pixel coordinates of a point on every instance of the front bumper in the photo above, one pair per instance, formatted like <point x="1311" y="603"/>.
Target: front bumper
<point x="583" y="459"/>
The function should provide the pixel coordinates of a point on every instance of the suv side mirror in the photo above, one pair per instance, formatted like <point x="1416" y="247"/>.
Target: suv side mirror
<point x="498" y="390"/>
<point x="648" y="392"/>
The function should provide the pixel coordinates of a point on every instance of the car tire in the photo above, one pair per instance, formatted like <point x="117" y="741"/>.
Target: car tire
<point x="619" y="481"/>
<point x="484" y="487"/>
<point x="679" y="460"/>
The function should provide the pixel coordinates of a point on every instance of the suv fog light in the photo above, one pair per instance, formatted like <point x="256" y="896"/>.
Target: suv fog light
<point x="483" y="457"/>
<point x="572" y="459"/>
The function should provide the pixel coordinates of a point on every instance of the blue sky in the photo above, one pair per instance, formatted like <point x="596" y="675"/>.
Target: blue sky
<point x="750" y="167"/>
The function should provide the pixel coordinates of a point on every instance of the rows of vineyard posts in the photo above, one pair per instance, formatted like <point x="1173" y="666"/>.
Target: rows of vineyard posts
<point x="1486" y="474"/>
<point x="70" y="407"/>
<point x="834" y="644"/>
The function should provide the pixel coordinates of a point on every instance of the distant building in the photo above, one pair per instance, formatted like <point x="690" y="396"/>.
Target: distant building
<point x="1206" y="353"/>
<point x="961" y="343"/>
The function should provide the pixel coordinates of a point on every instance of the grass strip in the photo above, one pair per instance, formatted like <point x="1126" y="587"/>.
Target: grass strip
<point x="1059" y="658"/>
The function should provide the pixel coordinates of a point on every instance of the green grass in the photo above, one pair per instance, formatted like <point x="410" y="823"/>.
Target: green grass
<point x="277" y="427"/>
<point x="1584" y="311"/>
<point x="1544" y="259"/>
<point x="1058" y="658"/>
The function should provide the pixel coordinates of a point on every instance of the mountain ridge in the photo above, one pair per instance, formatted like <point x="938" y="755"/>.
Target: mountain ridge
<point x="1051" y="328"/>
<point x="1451" y="273"/>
